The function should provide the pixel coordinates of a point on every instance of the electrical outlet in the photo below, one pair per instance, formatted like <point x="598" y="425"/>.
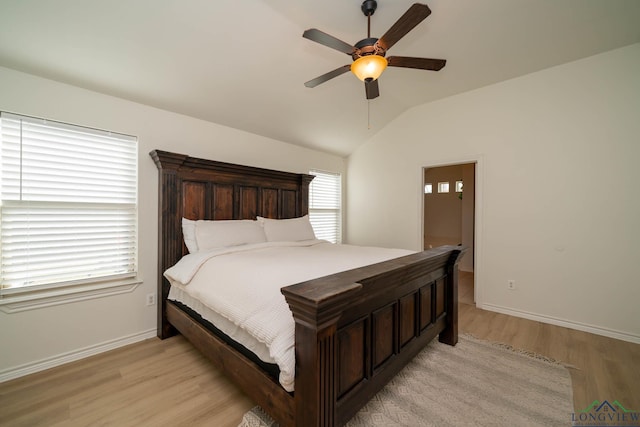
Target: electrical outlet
<point x="511" y="284"/>
<point x="151" y="299"/>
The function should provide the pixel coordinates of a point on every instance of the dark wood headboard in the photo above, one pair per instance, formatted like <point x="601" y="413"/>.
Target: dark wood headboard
<point x="204" y="189"/>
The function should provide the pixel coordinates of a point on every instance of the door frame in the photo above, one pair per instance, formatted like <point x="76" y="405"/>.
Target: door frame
<point x="477" y="220"/>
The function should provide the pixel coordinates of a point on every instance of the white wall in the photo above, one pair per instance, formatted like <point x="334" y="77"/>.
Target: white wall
<point x="558" y="154"/>
<point x="38" y="338"/>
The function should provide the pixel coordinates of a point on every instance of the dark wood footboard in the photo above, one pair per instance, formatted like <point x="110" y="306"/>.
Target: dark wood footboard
<point x="356" y="329"/>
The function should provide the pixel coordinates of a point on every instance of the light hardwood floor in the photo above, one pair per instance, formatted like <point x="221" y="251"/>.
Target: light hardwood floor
<point x="601" y="368"/>
<point x="168" y="383"/>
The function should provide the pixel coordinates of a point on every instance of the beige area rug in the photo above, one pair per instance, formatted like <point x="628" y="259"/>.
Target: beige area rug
<point x="475" y="383"/>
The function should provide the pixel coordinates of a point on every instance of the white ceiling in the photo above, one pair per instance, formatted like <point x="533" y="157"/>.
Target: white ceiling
<point x="243" y="63"/>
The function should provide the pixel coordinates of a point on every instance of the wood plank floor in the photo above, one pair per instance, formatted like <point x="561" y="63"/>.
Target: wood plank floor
<point x="168" y="383"/>
<point x="601" y="368"/>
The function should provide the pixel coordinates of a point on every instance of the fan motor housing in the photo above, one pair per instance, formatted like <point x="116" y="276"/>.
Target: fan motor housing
<point x="367" y="47"/>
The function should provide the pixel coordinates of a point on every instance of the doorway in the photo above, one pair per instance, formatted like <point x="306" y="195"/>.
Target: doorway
<point x="450" y="217"/>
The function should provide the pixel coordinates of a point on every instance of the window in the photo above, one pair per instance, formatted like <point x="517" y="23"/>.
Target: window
<point x="68" y="211"/>
<point x="428" y="188"/>
<point x="443" y="187"/>
<point x="325" y="205"/>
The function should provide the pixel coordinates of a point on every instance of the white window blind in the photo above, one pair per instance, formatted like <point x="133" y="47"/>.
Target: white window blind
<point x="325" y="205"/>
<point x="68" y="210"/>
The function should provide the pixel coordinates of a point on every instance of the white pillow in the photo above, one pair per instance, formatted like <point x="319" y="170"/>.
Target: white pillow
<point x="287" y="230"/>
<point x="189" y="235"/>
<point x="218" y="234"/>
<point x="202" y="234"/>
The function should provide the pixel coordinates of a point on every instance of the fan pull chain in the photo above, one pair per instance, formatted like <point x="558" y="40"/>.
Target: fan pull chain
<point x="368" y="114"/>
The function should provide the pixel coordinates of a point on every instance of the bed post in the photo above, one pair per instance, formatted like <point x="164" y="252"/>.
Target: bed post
<point x="305" y="181"/>
<point x="169" y="229"/>
<point x="316" y="352"/>
<point x="450" y="334"/>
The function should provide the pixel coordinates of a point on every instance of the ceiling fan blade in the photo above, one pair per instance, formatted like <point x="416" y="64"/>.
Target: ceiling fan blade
<point x="407" y="22"/>
<point x="328" y="40"/>
<point x="371" y="89"/>
<point x="328" y="76"/>
<point x="419" y="63"/>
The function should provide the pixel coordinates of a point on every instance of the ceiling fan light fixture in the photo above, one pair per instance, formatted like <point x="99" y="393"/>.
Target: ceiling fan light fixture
<point x="369" y="67"/>
<point x="368" y="54"/>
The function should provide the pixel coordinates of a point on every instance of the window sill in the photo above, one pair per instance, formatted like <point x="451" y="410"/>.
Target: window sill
<point x="35" y="299"/>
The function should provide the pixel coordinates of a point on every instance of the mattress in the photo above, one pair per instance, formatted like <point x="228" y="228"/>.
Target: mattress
<point x="180" y="294"/>
<point x="237" y="289"/>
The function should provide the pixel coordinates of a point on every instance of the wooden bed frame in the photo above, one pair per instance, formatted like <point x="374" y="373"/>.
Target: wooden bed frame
<point x="354" y="330"/>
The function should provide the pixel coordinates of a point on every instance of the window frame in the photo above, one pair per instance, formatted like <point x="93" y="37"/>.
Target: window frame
<point x="338" y="198"/>
<point x="21" y="298"/>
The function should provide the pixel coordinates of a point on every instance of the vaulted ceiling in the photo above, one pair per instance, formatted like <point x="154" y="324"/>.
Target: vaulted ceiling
<point x="243" y="63"/>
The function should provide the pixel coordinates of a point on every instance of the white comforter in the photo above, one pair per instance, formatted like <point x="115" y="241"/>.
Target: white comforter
<point x="242" y="284"/>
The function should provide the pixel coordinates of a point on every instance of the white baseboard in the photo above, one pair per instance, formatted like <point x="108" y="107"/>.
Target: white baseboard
<point x="598" y="330"/>
<point x="61" y="359"/>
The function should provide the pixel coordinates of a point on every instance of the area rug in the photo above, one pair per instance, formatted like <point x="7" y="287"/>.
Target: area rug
<point x="475" y="383"/>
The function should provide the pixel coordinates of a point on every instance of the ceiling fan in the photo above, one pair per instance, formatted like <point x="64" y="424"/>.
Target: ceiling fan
<point x="369" y="54"/>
